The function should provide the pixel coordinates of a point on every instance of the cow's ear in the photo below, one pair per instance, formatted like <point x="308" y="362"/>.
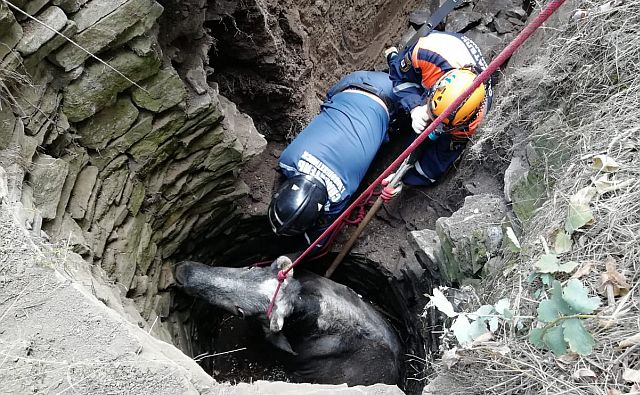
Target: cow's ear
<point x="276" y="321"/>
<point x="280" y="341"/>
<point x="281" y="263"/>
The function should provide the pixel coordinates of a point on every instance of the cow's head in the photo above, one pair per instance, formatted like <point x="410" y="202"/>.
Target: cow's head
<point x="244" y="292"/>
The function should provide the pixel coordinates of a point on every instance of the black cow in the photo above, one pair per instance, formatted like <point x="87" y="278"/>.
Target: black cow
<point x="330" y="333"/>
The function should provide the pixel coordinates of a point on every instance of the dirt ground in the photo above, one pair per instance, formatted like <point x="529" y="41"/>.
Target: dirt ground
<point x="57" y="336"/>
<point x="276" y="59"/>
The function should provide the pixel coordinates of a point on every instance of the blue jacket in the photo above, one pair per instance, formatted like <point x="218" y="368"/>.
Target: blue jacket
<point x="414" y="72"/>
<point x="416" y="69"/>
<point x="340" y="143"/>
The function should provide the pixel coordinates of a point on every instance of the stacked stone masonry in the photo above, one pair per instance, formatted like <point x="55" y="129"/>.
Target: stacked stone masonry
<point x="121" y="162"/>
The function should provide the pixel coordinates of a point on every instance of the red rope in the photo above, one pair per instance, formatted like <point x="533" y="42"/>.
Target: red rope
<point x="545" y="13"/>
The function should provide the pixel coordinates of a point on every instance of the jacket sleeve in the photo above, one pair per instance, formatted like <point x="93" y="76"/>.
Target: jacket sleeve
<point x="406" y="80"/>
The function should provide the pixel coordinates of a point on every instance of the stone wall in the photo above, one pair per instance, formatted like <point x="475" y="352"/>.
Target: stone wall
<point x="123" y="157"/>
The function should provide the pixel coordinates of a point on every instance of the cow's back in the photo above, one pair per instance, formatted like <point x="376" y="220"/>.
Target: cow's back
<point x="339" y="337"/>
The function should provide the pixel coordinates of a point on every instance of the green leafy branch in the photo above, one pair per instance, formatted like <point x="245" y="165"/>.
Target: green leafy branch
<point x="468" y="327"/>
<point x="563" y="316"/>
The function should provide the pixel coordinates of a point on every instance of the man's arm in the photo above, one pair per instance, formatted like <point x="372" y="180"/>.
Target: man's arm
<point x="406" y="80"/>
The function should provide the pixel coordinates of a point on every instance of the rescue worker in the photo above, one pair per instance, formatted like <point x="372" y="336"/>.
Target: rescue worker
<point x="326" y="162"/>
<point x="429" y="76"/>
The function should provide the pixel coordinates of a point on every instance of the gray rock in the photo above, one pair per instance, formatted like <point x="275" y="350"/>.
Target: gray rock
<point x="516" y="22"/>
<point x="11" y="37"/>
<point x="98" y="86"/>
<point x="69" y="6"/>
<point x="71" y="234"/>
<point x="198" y="80"/>
<point x="56" y="42"/>
<point x="461" y="21"/>
<point x="517" y="13"/>
<point x="166" y="277"/>
<point x="426" y="243"/>
<point x="139" y="28"/>
<point x="196" y="104"/>
<point x="140" y="285"/>
<point x="142" y="126"/>
<point x="43" y="119"/>
<point x="237" y="123"/>
<point x="503" y="26"/>
<point x="32" y="96"/>
<point x="81" y="192"/>
<point x="36" y="35"/>
<point x="7" y="126"/>
<point x="15" y="177"/>
<point x="98" y="36"/>
<point x="99" y="234"/>
<point x="136" y="199"/>
<point x="77" y="158"/>
<point x="33" y="6"/>
<point x="111" y="188"/>
<point x="7" y="19"/>
<point x="28" y="146"/>
<point x="146" y="152"/>
<point x="161" y="91"/>
<point x="108" y="124"/>
<point x="407" y="36"/>
<point x="418" y="18"/>
<point x="47" y="179"/>
<point x="4" y="188"/>
<point x="162" y="304"/>
<point x="494" y="7"/>
<point x="470" y="236"/>
<point x="126" y="250"/>
<point x="94" y="11"/>
<point x="516" y="170"/>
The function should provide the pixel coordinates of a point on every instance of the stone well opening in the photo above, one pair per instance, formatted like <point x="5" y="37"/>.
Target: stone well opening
<point x="232" y="349"/>
<point x="275" y="64"/>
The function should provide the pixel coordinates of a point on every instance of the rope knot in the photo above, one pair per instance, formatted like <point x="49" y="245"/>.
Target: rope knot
<point x="282" y="275"/>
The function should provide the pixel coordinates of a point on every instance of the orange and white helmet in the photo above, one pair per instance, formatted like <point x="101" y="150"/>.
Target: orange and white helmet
<point x="447" y="89"/>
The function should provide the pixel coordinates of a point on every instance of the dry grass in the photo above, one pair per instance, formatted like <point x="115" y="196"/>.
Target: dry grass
<point x="581" y="100"/>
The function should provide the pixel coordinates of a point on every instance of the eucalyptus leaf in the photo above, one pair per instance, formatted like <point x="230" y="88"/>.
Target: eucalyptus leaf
<point x="605" y="163"/>
<point x="514" y="243"/>
<point x="547" y="278"/>
<point x="557" y="296"/>
<point x="548" y="310"/>
<point x="562" y="242"/>
<point x="483" y="312"/>
<point x="568" y="266"/>
<point x="535" y="337"/>
<point x="501" y="306"/>
<point x="493" y="324"/>
<point x="537" y="293"/>
<point x="576" y="295"/>
<point x="579" y="213"/>
<point x="442" y="303"/>
<point x="579" y="339"/>
<point x="548" y="263"/>
<point x="461" y="328"/>
<point x="477" y="329"/>
<point x="554" y="339"/>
